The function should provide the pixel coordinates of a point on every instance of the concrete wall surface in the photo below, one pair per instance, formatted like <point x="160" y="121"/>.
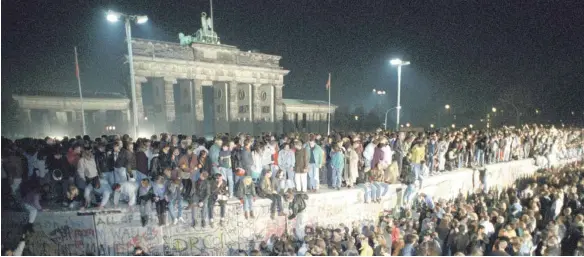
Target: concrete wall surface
<point x="78" y="233"/>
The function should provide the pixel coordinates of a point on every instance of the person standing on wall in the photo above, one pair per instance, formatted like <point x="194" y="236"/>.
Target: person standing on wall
<point x="315" y="163"/>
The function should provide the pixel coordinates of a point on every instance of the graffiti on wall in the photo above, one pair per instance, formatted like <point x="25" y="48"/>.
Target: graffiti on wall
<point x="54" y="233"/>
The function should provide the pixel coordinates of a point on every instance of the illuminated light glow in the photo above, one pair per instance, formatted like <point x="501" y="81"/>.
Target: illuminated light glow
<point x="408" y="124"/>
<point x="431" y="125"/>
<point x="470" y="126"/>
<point x="141" y="19"/>
<point x="113" y="16"/>
<point x="398" y="62"/>
<point x="494" y="109"/>
<point x="447" y="106"/>
<point x="453" y="126"/>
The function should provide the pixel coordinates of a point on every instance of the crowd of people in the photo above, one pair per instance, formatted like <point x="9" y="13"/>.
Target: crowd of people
<point x="168" y="173"/>
<point x="539" y="216"/>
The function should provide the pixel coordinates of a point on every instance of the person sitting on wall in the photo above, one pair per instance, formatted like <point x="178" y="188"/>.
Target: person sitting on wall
<point x="160" y="198"/>
<point x="268" y="190"/>
<point x="145" y="197"/>
<point x="219" y="193"/>
<point x="127" y="190"/>
<point x="246" y="194"/>
<point x="200" y="198"/>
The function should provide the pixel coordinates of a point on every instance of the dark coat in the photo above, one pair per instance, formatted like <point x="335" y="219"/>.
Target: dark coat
<point x="298" y="205"/>
<point x="142" y="163"/>
<point x="301" y="157"/>
<point x="101" y="162"/>
<point x="202" y="191"/>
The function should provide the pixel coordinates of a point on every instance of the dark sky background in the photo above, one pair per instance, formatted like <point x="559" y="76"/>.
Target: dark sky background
<point x="469" y="54"/>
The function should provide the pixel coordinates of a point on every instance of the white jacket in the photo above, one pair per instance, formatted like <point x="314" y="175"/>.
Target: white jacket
<point x="286" y="159"/>
<point x="368" y="152"/>
<point x="87" y="168"/>
<point x="128" y="189"/>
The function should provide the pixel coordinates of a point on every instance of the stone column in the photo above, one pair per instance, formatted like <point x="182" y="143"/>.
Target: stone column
<point x="128" y="117"/>
<point x="199" y="114"/>
<point x="256" y="109"/>
<point x="278" y="108"/>
<point x="233" y="108"/>
<point x="27" y="121"/>
<point x="255" y="102"/>
<point x="26" y="114"/>
<point x="169" y="99"/>
<point x="309" y="121"/>
<point x="139" y="103"/>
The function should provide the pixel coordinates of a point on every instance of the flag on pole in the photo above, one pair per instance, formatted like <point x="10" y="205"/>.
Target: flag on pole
<point x="328" y="83"/>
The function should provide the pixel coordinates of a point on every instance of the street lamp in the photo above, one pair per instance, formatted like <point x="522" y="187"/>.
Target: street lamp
<point x="399" y="63"/>
<point x="408" y="124"/>
<point x="139" y="19"/>
<point x="385" y="122"/>
<point x="447" y="106"/>
<point x="494" y="109"/>
<point x="470" y="126"/>
<point x="431" y="125"/>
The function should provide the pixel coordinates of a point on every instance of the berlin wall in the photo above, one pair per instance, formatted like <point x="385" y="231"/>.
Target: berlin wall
<point x="106" y="233"/>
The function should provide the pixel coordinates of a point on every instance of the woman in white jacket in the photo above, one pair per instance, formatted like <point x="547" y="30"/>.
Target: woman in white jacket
<point x="353" y="169"/>
<point x="86" y="169"/>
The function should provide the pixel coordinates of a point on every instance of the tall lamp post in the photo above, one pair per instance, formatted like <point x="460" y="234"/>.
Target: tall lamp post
<point x="399" y="63"/>
<point x="385" y="122"/>
<point x="139" y="19"/>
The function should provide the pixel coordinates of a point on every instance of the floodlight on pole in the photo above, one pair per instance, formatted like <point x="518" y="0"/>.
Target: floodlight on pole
<point x="139" y="19"/>
<point x="399" y="63"/>
<point x="113" y="16"/>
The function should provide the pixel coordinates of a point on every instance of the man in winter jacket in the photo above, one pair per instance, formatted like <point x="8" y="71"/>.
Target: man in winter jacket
<point x="200" y="198"/>
<point x="315" y="156"/>
<point x="300" y="167"/>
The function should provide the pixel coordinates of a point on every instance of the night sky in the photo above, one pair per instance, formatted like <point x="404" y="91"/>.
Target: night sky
<point x="469" y="54"/>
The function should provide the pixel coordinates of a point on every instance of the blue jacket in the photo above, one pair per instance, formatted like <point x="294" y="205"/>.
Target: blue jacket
<point x="338" y="161"/>
<point x="214" y="155"/>
<point x="318" y="154"/>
